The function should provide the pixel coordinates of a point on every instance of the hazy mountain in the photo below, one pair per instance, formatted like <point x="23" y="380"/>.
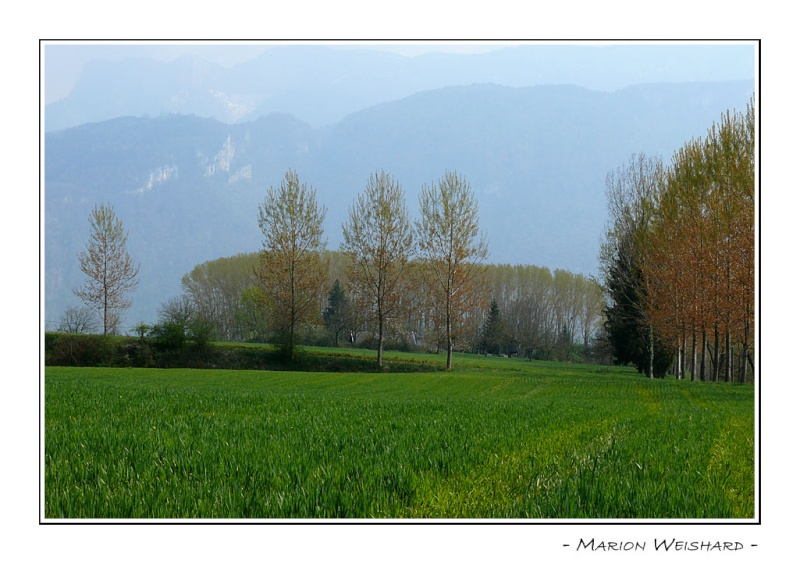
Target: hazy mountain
<point x="321" y="85"/>
<point x="187" y="188"/>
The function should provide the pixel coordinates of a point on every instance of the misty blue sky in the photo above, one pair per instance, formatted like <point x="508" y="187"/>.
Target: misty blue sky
<point x="63" y="62"/>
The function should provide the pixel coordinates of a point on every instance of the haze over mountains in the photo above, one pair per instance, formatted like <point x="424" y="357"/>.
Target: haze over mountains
<point x="320" y="85"/>
<point x="187" y="187"/>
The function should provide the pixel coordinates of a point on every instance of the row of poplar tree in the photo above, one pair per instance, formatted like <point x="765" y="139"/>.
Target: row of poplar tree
<point x="380" y="243"/>
<point x="678" y="261"/>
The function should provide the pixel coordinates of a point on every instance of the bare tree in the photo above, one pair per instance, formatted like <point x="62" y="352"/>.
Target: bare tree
<point x="111" y="274"/>
<point x="452" y="249"/>
<point x="379" y="241"/>
<point x="292" y="274"/>
<point x="77" y="320"/>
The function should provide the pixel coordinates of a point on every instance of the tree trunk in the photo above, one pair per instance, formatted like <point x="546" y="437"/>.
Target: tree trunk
<point x="715" y="358"/>
<point x="105" y="315"/>
<point x="743" y="374"/>
<point x="380" y="339"/>
<point x="449" y="354"/>
<point x="729" y="356"/>
<point x="449" y="334"/>
<point x="703" y="345"/>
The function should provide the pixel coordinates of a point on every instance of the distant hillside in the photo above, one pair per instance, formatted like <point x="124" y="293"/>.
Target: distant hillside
<point x="187" y="188"/>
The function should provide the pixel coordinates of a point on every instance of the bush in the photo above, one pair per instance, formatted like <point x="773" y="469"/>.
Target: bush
<point x="70" y="349"/>
<point x="168" y="336"/>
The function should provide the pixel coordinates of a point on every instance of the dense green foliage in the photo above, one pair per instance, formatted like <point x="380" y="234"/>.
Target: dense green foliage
<point x="497" y="438"/>
<point x="338" y="313"/>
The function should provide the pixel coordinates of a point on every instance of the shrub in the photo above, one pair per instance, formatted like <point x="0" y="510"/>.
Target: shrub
<point x="69" y="349"/>
<point x="168" y="336"/>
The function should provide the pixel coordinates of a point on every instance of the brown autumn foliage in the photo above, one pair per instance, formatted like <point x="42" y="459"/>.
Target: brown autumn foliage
<point x="701" y="270"/>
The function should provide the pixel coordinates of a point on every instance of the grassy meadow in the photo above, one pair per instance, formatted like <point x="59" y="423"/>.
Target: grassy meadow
<point x="495" y="438"/>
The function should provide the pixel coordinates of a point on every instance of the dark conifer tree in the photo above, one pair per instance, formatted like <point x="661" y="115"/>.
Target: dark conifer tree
<point x="628" y="330"/>
<point x="337" y="314"/>
<point x="493" y="334"/>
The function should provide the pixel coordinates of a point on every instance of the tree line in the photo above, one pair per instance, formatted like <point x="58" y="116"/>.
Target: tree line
<point x="380" y="242"/>
<point x="537" y="314"/>
<point x="678" y="261"/>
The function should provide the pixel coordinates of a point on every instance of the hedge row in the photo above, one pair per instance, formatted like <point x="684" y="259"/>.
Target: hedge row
<point x="67" y="349"/>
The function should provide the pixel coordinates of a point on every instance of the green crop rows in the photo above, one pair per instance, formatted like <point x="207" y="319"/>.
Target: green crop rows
<point x="497" y="438"/>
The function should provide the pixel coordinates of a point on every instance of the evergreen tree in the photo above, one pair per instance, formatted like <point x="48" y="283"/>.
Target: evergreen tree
<point x="493" y="333"/>
<point x="629" y="333"/>
<point x="632" y="191"/>
<point x="337" y="314"/>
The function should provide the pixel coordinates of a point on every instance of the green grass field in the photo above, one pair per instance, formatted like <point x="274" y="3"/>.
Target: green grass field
<point x="495" y="438"/>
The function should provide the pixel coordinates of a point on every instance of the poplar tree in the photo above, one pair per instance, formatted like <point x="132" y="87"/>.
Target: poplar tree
<point x="110" y="271"/>
<point x="378" y="239"/>
<point x="701" y="273"/>
<point x="291" y="273"/>
<point x="451" y="247"/>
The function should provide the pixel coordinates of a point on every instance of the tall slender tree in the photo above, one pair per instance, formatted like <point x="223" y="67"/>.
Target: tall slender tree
<point x="377" y="237"/>
<point x="452" y="249"/>
<point x="291" y="274"/>
<point x="110" y="271"/>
